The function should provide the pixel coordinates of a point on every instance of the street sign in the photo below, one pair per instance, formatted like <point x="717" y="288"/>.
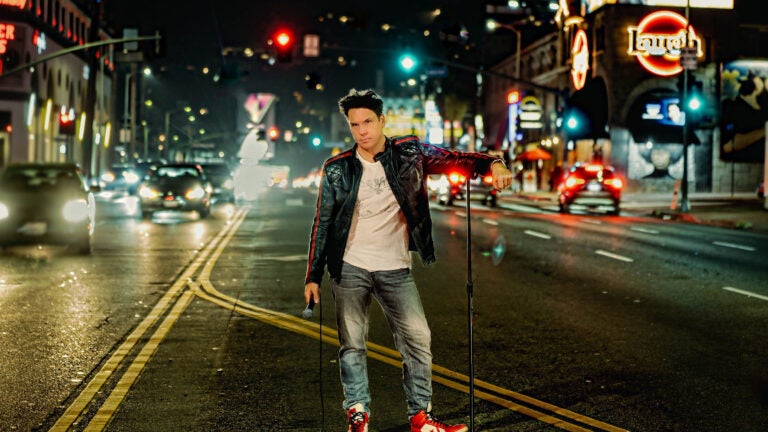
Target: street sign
<point x="436" y="71"/>
<point x="688" y="58"/>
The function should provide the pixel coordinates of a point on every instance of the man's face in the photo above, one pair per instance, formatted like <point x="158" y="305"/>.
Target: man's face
<point x="367" y="129"/>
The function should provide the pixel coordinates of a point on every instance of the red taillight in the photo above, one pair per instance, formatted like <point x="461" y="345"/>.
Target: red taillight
<point x="456" y="178"/>
<point x="572" y="181"/>
<point x="615" y="183"/>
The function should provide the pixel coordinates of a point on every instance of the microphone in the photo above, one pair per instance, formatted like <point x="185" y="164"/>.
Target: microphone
<point x="307" y="312"/>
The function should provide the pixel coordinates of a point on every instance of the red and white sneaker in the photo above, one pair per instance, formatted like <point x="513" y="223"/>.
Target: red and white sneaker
<point x="424" y="421"/>
<point x="357" y="419"/>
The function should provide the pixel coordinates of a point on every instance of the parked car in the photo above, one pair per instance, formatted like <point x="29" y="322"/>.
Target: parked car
<point x="45" y="203"/>
<point x="448" y="188"/>
<point x="592" y="187"/>
<point x="222" y="181"/>
<point x="175" y="187"/>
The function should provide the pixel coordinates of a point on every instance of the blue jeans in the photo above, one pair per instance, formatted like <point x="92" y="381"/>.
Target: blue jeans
<point x="399" y="298"/>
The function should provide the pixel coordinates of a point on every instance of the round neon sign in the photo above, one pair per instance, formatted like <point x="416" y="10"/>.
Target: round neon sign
<point x="658" y="40"/>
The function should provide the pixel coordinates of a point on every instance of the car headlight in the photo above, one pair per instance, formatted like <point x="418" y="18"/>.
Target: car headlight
<point x="131" y="177"/>
<point x="75" y="210"/>
<point x="195" y="193"/>
<point x="108" y="177"/>
<point x="147" y="192"/>
<point x="3" y="211"/>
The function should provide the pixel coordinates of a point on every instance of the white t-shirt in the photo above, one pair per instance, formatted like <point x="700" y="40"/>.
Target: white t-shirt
<point x="378" y="237"/>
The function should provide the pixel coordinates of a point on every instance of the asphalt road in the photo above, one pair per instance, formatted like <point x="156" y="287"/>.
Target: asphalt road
<point x="581" y="322"/>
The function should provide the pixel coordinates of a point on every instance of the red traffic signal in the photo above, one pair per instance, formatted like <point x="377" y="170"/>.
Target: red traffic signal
<point x="283" y="43"/>
<point x="67" y="122"/>
<point x="283" y="39"/>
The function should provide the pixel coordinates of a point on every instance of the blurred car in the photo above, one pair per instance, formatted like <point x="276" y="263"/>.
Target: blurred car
<point x="591" y="187"/>
<point x="448" y="188"/>
<point x="175" y="187"/>
<point x="121" y="178"/>
<point x="222" y="181"/>
<point x="45" y="203"/>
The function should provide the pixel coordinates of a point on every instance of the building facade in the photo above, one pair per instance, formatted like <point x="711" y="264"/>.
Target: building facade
<point x="44" y="87"/>
<point x="631" y="68"/>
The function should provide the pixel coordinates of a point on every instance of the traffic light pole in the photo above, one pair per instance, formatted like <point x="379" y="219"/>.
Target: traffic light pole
<point x="684" y="204"/>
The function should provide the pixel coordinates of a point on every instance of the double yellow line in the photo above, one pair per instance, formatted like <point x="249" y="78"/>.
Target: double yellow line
<point x="176" y="299"/>
<point x="203" y="288"/>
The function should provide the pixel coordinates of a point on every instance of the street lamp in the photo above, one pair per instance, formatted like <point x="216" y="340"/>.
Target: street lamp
<point x="492" y="25"/>
<point x="167" y="123"/>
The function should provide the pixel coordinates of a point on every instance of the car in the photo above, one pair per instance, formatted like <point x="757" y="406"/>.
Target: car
<point x="45" y="203"/>
<point x="222" y="180"/>
<point x="590" y="186"/>
<point x="120" y="178"/>
<point x="175" y="187"/>
<point x="453" y="186"/>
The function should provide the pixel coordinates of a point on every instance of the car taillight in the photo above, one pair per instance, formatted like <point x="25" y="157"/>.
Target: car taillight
<point x="572" y="182"/>
<point x="615" y="183"/>
<point x="456" y="178"/>
<point x="488" y="179"/>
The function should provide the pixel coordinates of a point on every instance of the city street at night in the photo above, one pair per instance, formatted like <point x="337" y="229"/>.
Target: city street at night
<point x="582" y="322"/>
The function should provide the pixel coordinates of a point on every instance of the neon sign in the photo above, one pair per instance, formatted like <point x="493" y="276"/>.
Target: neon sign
<point x="7" y="33"/>
<point x="579" y="59"/>
<point x="658" y="40"/>
<point x="14" y="3"/>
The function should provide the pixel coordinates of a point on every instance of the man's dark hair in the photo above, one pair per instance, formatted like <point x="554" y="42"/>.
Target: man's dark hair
<point x="361" y="99"/>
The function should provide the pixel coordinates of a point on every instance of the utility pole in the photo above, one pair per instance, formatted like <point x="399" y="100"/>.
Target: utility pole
<point x="684" y="204"/>
<point x="90" y="96"/>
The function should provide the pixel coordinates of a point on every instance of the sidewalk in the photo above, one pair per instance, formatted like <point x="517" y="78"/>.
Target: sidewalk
<point x="744" y="211"/>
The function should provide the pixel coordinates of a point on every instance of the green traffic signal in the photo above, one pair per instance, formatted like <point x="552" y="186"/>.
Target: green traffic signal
<point x="408" y="62"/>
<point x="316" y="141"/>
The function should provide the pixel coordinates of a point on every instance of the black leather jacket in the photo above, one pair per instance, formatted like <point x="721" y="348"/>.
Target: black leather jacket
<point x="407" y="163"/>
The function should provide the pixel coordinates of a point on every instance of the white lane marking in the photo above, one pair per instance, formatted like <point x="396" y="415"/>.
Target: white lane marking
<point x="734" y="246"/>
<point x="537" y="234"/>
<point x="592" y="221"/>
<point x="746" y="293"/>
<point x="614" y="256"/>
<point x="490" y="222"/>
<point x="461" y="214"/>
<point x="644" y="230"/>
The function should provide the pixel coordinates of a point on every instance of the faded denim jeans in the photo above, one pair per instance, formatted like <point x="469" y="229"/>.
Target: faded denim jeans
<point x="399" y="298"/>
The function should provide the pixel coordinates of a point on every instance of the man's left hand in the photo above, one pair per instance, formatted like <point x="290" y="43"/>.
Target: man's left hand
<point x="502" y="177"/>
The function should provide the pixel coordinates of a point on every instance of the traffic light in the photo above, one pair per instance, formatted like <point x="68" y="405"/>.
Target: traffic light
<point x="408" y="62"/>
<point x="283" y="43"/>
<point x="316" y="141"/>
<point x="694" y="104"/>
<point x="67" y="122"/>
<point x="586" y="112"/>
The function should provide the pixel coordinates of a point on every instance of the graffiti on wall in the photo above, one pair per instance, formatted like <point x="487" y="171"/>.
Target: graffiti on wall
<point x="744" y="108"/>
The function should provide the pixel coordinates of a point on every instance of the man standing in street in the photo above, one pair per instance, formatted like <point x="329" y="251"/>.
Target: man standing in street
<point x="372" y="210"/>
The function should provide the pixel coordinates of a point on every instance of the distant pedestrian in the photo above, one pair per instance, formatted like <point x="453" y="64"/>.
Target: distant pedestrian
<point x="372" y="210"/>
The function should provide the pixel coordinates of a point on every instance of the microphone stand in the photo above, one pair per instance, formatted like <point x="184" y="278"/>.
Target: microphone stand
<point x="470" y="313"/>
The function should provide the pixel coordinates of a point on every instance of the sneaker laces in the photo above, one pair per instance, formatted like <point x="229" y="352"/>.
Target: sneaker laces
<point x="358" y="417"/>
<point x="435" y="421"/>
